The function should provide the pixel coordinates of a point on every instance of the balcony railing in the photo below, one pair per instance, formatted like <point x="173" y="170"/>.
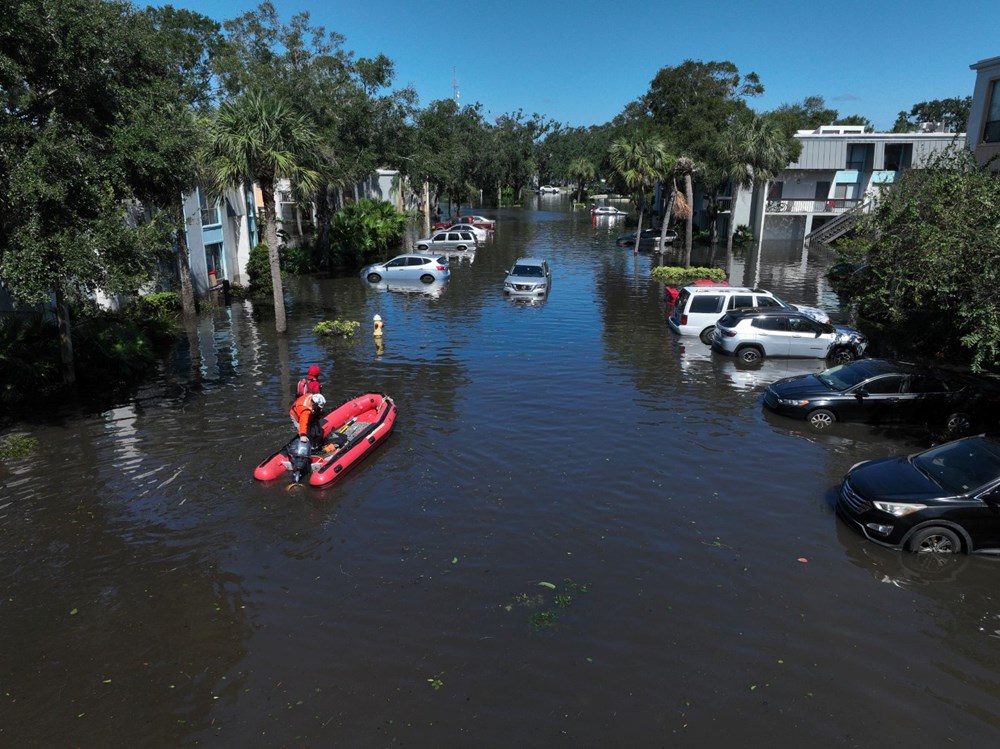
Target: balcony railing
<point x="833" y="205"/>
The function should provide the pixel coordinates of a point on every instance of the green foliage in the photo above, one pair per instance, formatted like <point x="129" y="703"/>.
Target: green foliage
<point x="953" y="113"/>
<point x="259" y="271"/>
<point x="677" y="276"/>
<point x="17" y="446"/>
<point x="366" y="227"/>
<point x="742" y="235"/>
<point x="342" y="328"/>
<point x="29" y="357"/>
<point x="161" y="305"/>
<point x="932" y="251"/>
<point x="507" y="197"/>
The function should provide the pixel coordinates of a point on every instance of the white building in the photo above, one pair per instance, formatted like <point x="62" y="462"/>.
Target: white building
<point x="841" y="170"/>
<point x="984" y="117"/>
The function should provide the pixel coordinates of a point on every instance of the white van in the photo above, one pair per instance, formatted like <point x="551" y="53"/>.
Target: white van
<point x="699" y="307"/>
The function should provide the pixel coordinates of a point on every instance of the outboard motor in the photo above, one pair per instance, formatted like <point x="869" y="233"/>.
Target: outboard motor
<point x="299" y="452"/>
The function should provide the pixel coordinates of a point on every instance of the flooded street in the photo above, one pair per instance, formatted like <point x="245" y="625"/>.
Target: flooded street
<point x="584" y="532"/>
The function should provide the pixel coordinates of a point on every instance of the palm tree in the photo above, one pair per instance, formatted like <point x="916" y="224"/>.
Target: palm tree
<point x="639" y="161"/>
<point x="260" y="138"/>
<point x="754" y="148"/>
<point x="684" y="168"/>
<point x="583" y="171"/>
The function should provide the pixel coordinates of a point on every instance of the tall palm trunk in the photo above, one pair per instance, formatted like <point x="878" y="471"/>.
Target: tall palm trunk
<point x="184" y="267"/>
<point x="427" y="208"/>
<point x="731" y="232"/>
<point x="689" y="233"/>
<point x="65" y="338"/>
<point x="666" y="215"/>
<point x="271" y="232"/>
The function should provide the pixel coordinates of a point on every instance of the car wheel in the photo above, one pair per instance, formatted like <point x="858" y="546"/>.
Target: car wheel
<point x="421" y="247"/>
<point x="374" y="278"/>
<point x="427" y="278"/>
<point x="842" y="355"/>
<point x="707" y="335"/>
<point x="935" y="540"/>
<point x="958" y="424"/>
<point x="821" y="419"/>
<point x="750" y="355"/>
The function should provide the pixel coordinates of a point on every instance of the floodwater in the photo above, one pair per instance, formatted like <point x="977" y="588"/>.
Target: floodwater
<point x="584" y="532"/>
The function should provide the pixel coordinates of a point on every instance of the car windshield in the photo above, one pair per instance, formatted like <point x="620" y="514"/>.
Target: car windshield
<point x="961" y="466"/>
<point x="841" y="377"/>
<point x="533" y="271"/>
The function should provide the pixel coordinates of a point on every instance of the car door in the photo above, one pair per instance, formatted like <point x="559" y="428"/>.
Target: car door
<point x="808" y="338"/>
<point x="925" y="398"/>
<point x="983" y="524"/>
<point x="772" y="333"/>
<point x="395" y="269"/>
<point x="876" y="400"/>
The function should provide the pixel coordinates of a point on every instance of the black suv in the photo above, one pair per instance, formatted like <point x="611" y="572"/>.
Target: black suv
<point x="944" y="500"/>
<point x="879" y="391"/>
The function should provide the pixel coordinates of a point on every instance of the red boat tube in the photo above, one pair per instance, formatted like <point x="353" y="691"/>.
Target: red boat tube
<point x="350" y="431"/>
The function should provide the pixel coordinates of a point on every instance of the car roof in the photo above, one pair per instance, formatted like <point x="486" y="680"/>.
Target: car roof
<point x="528" y="261"/>
<point x="724" y="290"/>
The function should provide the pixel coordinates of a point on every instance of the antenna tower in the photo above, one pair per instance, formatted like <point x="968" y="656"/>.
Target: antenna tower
<point x="454" y="84"/>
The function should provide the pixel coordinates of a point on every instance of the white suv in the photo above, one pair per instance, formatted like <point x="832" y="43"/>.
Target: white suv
<point x="698" y="308"/>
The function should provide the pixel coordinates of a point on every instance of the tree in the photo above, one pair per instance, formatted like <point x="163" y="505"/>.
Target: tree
<point x="685" y="170"/>
<point x="582" y="170"/>
<point x="952" y="113"/>
<point x="639" y="161"/>
<point x="260" y="139"/>
<point x="754" y="149"/>
<point x="80" y="84"/>
<point x="933" y="260"/>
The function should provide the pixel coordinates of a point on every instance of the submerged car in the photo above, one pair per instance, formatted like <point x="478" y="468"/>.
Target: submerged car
<point x="883" y="391"/>
<point x="649" y="238"/>
<point x="528" y="276"/>
<point x="943" y="500"/>
<point x="448" y="240"/>
<point x="752" y="334"/>
<point x="412" y="266"/>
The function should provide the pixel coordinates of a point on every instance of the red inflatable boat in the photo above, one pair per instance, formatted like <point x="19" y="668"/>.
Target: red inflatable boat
<point x="350" y="432"/>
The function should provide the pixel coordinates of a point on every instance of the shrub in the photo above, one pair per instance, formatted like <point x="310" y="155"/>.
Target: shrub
<point x="673" y="275"/>
<point x="259" y="271"/>
<point x="17" y="446"/>
<point x="344" y="328"/>
<point x="161" y="305"/>
<point x="366" y="227"/>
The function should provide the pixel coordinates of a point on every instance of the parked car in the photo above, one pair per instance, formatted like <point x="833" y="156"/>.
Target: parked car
<point x="878" y="391"/>
<point x="752" y="334"/>
<point x="943" y="500"/>
<point x="412" y="266"/>
<point x="650" y="238"/>
<point x="528" y="276"/>
<point x="480" y="222"/>
<point x="479" y="234"/>
<point x="607" y="210"/>
<point x="698" y="308"/>
<point x="448" y="240"/>
<point x="545" y="189"/>
<point x="672" y="293"/>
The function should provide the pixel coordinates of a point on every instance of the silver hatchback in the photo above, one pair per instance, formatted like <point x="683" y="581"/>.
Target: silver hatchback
<point x="752" y="334"/>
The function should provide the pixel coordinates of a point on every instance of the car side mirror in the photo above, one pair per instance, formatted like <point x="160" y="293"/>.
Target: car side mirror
<point x="861" y="393"/>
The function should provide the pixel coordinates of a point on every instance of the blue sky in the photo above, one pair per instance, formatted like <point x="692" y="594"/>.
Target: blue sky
<point x="580" y="63"/>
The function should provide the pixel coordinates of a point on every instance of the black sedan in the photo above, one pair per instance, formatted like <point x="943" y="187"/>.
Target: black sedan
<point x="881" y="391"/>
<point x="944" y="500"/>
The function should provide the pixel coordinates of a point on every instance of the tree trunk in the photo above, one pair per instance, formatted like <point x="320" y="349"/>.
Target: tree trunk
<point x="184" y="269"/>
<point x="427" y="208"/>
<point x="65" y="339"/>
<point x="324" y="215"/>
<point x="271" y="232"/>
<point x="689" y="233"/>
<point x="638" y="229"/>
<point x="731" y="232"/>
<point x="666" y="216"/>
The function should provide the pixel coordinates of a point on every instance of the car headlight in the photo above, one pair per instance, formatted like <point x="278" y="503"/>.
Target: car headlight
<point x="792" y="402"/>
<point x="899" y="509"/>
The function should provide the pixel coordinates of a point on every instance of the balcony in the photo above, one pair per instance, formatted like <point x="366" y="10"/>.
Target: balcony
<point x="804" y="206"/>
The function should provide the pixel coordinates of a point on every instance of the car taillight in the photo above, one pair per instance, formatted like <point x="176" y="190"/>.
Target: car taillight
<point x="440" y="267"/>
<point x="684" y="319"/>
<point x="727" y="332"/>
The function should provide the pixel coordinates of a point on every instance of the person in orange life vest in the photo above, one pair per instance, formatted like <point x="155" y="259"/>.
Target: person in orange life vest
<point x="305" y="413"/>
<point x="310" y="383"/>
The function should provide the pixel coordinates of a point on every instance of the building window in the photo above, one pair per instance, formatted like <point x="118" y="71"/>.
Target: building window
<point x="898" y="156"/>
<point x="209" y="211"/>
<point x="991" y="133"/>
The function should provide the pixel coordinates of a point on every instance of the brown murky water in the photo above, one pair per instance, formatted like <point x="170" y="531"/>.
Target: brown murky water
<point x="584" y="532"/>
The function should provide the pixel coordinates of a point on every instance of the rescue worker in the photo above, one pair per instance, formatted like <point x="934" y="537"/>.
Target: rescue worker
<point x="305" y="413"/>
<point x="310" y="383"/>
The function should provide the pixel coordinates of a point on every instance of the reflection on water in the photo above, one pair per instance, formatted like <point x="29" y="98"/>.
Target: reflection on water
<point x="157" y="595"/>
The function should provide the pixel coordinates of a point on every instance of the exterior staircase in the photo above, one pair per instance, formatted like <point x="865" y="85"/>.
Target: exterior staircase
<point x="837" y="228"/>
